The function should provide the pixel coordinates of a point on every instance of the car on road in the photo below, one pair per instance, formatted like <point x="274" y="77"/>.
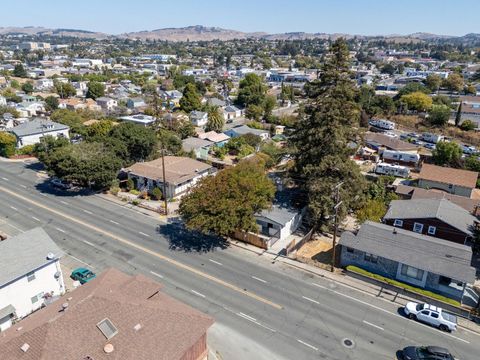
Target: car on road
<point x="431" y="315"/>
<point x="83" y="275"/>
<point x="426" y="353"/>
<point x="60" y="184"/>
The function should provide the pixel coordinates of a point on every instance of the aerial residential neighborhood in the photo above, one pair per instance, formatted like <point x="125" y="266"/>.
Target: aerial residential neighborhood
<point x="287" y="182"/>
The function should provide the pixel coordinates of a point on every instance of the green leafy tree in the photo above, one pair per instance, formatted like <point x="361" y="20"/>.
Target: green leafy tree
<point x="268" y="106"/>
<point x="87" y="164"/>
<point x="373" y="210"/>
<point x="472" y="163"/>
<point x="417" y="101"/>
<point x="51" y="103"/>
<point x="99" y="130"/>
<point x="65" y="90"/>
<point x="321" y="138"/>
<point x="439" y="115"/>
<point x="215" y="120"/>
<point x="468" y="125"/>
<point x="170" y="141"/>
<point x="411" y="88"/>
<point x="433" y="82"/>
<point x="448" y="154"/>
<point x="186" y="129"/>
<point x="227" y="202"/>
<point x="7" y="144"/>
<point x="470" y="90"/>
<point x="157" y="193"/>
<point x="19" y="71"/>
<point x="95" y="90"/>
<point x="454" y="82"/>
<point x="388" y="69"/>
<point x="191" y="99"/>
<point x="27" y="87"/>
<point x="254" y="112"/>
<point x="140" y="141"/>
<point x="48" y="144"/>
<point x="252" y="91"/>
<point x="70" y="118"/>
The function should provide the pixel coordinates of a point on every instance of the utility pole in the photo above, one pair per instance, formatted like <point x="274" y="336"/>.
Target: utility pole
<point x="164" y="183"/>
<point x="335" y="208"/>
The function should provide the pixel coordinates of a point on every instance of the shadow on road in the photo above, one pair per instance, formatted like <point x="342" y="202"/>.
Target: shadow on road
<point x="181" y="239"/>
<point x="47" y="188"/>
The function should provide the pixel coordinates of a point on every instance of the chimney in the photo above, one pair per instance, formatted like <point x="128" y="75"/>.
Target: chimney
<point x="25" y="347"/>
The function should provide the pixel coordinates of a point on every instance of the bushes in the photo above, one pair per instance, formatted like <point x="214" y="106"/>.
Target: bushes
<point x="157" y="193"/>
<point x="26" y="150"/>
<point x="7" y="144"/>
<point x="468" y="125"/>
<point x="134" y="192"/>
<point x="130" y="185"/>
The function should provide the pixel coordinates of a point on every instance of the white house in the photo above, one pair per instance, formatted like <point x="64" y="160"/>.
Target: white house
<point x="30" y="276"/>
<point x="107" y="103"/>
<point x="199" y="118"/>
<point x="31" y="132"/>
<point x="278" y="222"/>
<point x="44" y="84"/>
<point x="3" y="101"/>
<point x="231" y="112"/>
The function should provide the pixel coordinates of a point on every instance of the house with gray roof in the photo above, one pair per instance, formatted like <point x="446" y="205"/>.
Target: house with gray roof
<point x="201" y="147"/>
<point x="31" y="132"/>
<point x="278" y="222"/>
<point x="244" y="129"/>
<point x="439" y="218"/>
<point x="30" y="276"/>
<point x="423" y="261"/>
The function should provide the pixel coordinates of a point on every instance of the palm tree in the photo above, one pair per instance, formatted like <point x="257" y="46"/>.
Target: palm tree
<point x="215" y="120"/>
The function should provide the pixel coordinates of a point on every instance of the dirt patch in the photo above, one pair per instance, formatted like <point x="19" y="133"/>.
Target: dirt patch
<point x="319" y="250"/>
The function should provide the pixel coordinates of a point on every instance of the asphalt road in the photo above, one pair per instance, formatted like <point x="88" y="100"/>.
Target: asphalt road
<point x="263" y="310"/>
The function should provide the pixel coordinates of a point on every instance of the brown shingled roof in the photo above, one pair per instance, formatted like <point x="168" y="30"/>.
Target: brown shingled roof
<point x="447" y="175"/>
<point x="390" y="142"/>
<point x="177" y="169"/>
<point x="167" y="329"/>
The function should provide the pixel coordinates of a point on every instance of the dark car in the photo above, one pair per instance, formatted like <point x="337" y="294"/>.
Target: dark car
<point x="83" y="275"/>
<point x="426" y="353"/>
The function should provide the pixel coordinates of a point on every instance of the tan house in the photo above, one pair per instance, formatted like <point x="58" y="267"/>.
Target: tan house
<point x="453" y="181"/>
<point x="181" y="173"/>
<point x="115" y="316"/>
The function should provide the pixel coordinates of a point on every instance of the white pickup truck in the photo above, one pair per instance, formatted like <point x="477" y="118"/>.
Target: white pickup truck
<point x="432" y="315"/>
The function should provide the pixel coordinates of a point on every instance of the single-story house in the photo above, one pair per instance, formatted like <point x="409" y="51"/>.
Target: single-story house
<point x="199" y="118"/>
<point x="219" y="139"/>
<point x="135" y="103"/>
<point x="231" y="112"/>
<point x="278" y="222"/>
<point x="107" y="103"/>
<point x="31" y="132"/>
<point x="200" y="147"/>
<point x="244" y="129"/>
<point x="453" y="181"/>
<point x="216" y="102"/>
<point x="114" y="316"/>
<point x="439" y="218"/>
<point x="378" y="141"/>
<point x="181" y="173"/>
<point x="420" y="260"/>
<point x="31" y="275"/>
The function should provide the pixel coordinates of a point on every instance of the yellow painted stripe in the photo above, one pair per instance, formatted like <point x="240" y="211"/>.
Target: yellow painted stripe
<point x="145" y="250"/>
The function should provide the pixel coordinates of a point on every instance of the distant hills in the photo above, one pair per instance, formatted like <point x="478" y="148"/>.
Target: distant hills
<point x="204" y="33"/>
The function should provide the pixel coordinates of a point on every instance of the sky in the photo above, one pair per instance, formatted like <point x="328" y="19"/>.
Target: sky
<point x="363" y="17"/>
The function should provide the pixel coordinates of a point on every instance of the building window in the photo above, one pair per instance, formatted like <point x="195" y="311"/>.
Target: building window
<point x="432" y="230"/>
<point x="34" y="299"/>
<point x="417" y="227"/>
<point x="31" y="276"/>
<point x="349" y="249"/>
<point x="412" y="272"/>
<point x="450" y="186"/>
<point x="398" y="223"/>
<point x="371" y="258"/>
<point x="443" y="280"/>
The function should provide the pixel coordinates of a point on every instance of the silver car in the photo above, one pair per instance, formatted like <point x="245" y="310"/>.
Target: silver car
<point x="431" y="315"/>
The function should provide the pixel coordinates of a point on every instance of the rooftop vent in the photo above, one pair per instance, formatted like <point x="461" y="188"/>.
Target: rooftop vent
<point x="64" y="306"/>
<point x="107" y="328"/>
<point x="108" y="348"/>
<point x="50" y="256"/>
<point x="137" y="327"/>
<point x="25" y="347"/>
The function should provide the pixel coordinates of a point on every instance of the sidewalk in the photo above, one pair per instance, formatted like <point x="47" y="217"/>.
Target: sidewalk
<point x="132" y="207"/>
<point x="342" y="277"/>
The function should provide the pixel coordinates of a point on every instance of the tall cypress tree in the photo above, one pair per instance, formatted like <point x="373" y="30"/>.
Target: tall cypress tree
<point x="322" y="137"/>
<point x="458" y="117"/>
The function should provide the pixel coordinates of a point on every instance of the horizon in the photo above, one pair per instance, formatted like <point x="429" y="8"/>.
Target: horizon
<point x="364" y="18"/>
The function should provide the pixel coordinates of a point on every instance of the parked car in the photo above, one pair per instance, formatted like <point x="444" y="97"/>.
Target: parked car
<point x="431" y="315"/>
<point x="60" y="184"/>
<point x="413" y="135"/>
<point x="430" y="146"/>
<point x="390" y="134"/>
<point x="469" y="150"/>
<point x="418" y="142"/>
<point x="83" y="275"/>
<point x="426" y="353"/>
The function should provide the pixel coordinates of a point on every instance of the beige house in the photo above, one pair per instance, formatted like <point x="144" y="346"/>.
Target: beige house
<point x="453" y="181"/>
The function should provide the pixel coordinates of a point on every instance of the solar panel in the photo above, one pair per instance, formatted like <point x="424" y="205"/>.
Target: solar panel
<point x="107" y="328"/>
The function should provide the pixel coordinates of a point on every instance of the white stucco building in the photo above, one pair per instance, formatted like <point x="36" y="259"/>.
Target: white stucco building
<point x="31" y="132"/>
<point x="30" y="276"/>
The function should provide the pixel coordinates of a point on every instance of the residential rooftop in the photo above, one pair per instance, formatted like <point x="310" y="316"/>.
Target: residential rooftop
<point x="448" y="175"/>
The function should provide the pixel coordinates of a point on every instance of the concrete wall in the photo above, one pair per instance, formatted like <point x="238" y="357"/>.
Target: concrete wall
<point x="453" y="189"/>
<point x="19" y="292"/>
